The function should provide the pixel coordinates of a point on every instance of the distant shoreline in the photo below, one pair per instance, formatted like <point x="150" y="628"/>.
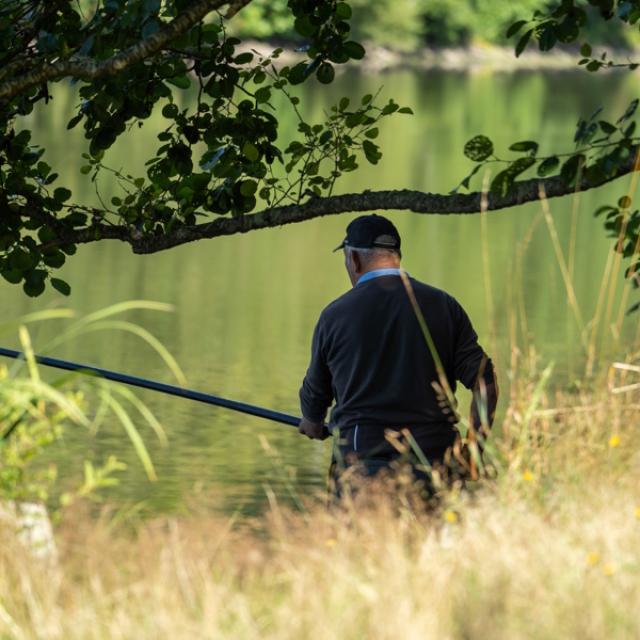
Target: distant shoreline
<point x="478" y="56"/>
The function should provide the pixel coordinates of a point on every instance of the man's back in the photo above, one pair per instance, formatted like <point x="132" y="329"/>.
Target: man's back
<point x="370" y="355"/>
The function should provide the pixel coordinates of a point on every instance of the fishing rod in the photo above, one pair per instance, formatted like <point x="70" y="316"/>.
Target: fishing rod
<point x="154" y="385"/>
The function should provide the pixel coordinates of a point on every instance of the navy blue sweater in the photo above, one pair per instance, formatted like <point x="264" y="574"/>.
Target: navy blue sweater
<point x="370" y="356"/>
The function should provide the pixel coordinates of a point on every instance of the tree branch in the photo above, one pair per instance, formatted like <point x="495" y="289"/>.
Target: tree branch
<point x="235" y="6"/>
<point x="416" y="201"/>
<point x="88" y="69"/>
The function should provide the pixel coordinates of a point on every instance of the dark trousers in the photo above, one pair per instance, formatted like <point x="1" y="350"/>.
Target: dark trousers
<point x="372" y="449"/>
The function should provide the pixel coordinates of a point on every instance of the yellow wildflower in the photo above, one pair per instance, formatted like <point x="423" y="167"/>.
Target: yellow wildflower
<point x="330" y="542"/>
<point x="527" y="476"/>
<point x="450" y="516"/>
<point x="614" y="441"/>
<point x="608" y="569"/>
<point x="637" y="512"/>
<point x="593" y="558"/>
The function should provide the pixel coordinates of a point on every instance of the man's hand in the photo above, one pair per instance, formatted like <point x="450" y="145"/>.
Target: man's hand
<point x="313" y="430"/>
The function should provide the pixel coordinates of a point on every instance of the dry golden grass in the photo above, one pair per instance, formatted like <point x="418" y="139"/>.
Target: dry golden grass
<point x="549" y="548"/>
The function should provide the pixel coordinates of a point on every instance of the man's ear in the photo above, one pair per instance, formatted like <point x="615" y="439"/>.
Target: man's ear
<point x="357" y="261"/>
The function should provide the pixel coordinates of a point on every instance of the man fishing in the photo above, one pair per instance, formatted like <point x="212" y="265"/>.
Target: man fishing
<point x="389" y="353"/>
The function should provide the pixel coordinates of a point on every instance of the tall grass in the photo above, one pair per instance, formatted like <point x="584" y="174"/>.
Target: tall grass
<point x="550" y="548"/>
<point x="35" y="414"/>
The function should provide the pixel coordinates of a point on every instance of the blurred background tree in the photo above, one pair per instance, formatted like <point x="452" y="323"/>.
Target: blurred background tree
<point x="410" y="24"/>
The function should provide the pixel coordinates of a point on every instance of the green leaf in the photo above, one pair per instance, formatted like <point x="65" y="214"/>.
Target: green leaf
<point x="75" y="219"/>
<point x="522" y="43"/>
<point x="390" y="107"/>
<point x="46" y="234"/>
<point x="182" y="82"/>
<point x="547" y="38"/>
<point x="61" y="194"/>
<point x="14" y="276"/>
<point x="343" y="11"/>
<point x="607" y="127"/>
<point x="325" y="73"/>
<point x="525" y="145"/>
<point x="354" y="119"/>
<point x="570" y="168"/>
<point x="479" y="148"/>
<point x="33" y="289"/>
<point x="301" y="71"/>
<point x="243" y="58"/>
<point x="520" y="166"/>
<point x="465" y="182"/>
<point x="34" y="282"/>
<point x="103" y="139"/>
<point x="502" y="183"/>
<point x="372" y="133"/>
<point x="354" y="50"/>
<point x="405" y="110"/>
<point x="209" y="32"/>
<point x="585" y="50"/>
<point x="548" y="165"/>
<point x="55" y="260"/>
<point x="326" y="136"/>
<point x="304" y="27"/>
<point x="250" y="151"/>
<point x="43" y="169"/>
<point x="248" y="203"/>
<point x="515" y="27"/>
<point x="625" y="202"/>
<point x="631" y="109"/>
<point x="371" y="151"/>
<point x="170" y="111"/>
<point x="607" y="208"/>
<point x="263" y="95"/>
<point x="248" y="187"/>
<point x="74" y="121"/>
<point x="568" y="30"/>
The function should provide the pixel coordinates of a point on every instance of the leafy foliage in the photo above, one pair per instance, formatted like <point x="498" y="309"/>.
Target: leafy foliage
<point x="408" y="24"/>
<point x="216" y="159"/>
<point x="564" y="22"/>
<point x="224" y="156"/>
<point x="600" y="148"/>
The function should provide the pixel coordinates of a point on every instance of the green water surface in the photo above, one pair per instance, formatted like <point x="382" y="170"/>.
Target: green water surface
<point x="245" y="306"/>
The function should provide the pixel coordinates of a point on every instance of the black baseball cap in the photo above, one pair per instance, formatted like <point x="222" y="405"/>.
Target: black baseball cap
<point x="367" y="232"/>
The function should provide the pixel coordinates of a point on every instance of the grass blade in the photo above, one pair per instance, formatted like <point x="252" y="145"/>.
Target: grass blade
<point x="134" y="436"/>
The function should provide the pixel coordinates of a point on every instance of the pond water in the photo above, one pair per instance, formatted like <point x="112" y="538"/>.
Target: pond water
<point x="245" y="306"/>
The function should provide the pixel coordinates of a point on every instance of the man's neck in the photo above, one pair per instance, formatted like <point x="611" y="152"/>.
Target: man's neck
<point x="383" y="264"/>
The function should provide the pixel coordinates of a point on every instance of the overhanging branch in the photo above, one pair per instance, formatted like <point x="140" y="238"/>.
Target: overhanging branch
<point x="88" y="69"/>
<point x="407" y="200"/>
